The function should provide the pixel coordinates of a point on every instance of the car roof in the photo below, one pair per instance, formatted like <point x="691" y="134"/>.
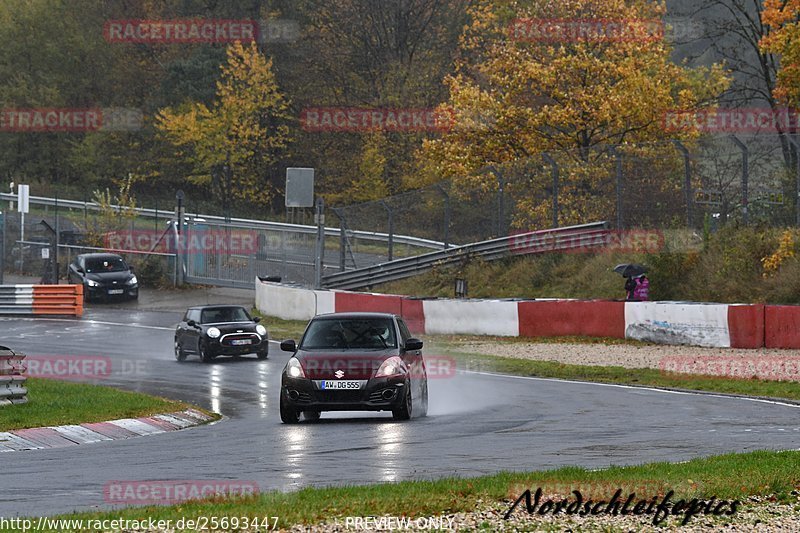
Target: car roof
<point x="100" y="256"/>
<point x="201" y="307"/>
<point x="355" y="314"/>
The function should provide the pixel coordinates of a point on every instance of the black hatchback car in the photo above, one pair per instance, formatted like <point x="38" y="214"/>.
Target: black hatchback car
<point x="104" y="277"/>
<point x="354" y="362"/>
<point x="215" y="330"/>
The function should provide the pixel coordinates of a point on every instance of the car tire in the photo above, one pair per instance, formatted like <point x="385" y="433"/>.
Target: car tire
<point x="423" y="409"/>
<point x="404" y="412"/>
<point x="204" y="355"/>
<point x="180" y="355"/>
<point x="289" y="415"/>
<point x="311" y="416"/>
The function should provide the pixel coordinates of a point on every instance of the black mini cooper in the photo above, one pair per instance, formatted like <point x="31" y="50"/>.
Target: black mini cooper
<point x="215" y="330"/>
<point x="354" y="362"/>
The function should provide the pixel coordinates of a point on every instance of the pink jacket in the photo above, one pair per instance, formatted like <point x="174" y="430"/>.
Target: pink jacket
<point x="642" y="290"/>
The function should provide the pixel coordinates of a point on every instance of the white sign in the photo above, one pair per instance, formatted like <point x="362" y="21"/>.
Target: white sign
<point x="23" y="197"/>
<point x="299" y="187"/>
<point x="45" y="253"/>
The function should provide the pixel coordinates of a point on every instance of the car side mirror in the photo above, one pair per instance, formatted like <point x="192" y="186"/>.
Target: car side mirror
<point x="130" y="267"/>
<point x="79" y="270"/>
<point x="412" y="345"/>
<point x="256" y="319"/>
<point x="289" y="346"/>
<point x="191" y="323"/>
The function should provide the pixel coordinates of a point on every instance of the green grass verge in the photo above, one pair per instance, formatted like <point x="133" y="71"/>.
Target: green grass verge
<point x="626" y="376"/>
<point x="280" y="329"/>
<point x="56" y="402"/>
<point x="733" y="476"/>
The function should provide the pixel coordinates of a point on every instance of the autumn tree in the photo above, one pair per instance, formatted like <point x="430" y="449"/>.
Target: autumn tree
<point x="233" y="142"/>
<point x="782" y="17"/>
<point x="519" y="91"/>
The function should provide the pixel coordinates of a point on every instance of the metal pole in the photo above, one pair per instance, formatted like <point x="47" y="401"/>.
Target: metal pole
<point x="2" y="245"/>
<point x="554" y="166"/>
<point x="797" y="179"/>
<point x="446" y="216"/>
<point x="55" y="247"/>
<point x="179" y="258"/>
<point x="501" y="183"/>
<point x="318" y="260"/>
<point x="390" y="228"/>
<point x="618" y="157"/>
<point x="687" y="184"/>
<point x="745" y="176"/>
<point x="342" y="237"/>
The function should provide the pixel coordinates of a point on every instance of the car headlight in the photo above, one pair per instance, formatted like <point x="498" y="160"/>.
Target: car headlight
<point x="261" y="330"/>
<point x="213" y="333"/>
<point x="133" y="281"/>
<point x="294" y="369"/>
<point x="92" y="283"/>
<point x="391" y="367"/>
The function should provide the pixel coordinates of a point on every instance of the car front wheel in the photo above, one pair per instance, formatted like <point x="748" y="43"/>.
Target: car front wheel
<point x="180" y="355"/>
<point x="289" y="415"/>
<point x="204" y="355"/>
<point x="404" y="411"/>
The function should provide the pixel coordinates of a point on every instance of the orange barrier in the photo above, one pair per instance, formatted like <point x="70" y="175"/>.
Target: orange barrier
<point x="41" y="300"/>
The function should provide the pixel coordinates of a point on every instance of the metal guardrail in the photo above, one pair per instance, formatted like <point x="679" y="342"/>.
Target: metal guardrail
<point x="12" y="380"/>
<point x="41" y="300"/>
<point x="553" y="240"/>
<point x="241" y="222"/>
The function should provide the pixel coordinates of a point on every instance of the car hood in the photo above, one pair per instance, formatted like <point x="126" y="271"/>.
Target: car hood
<point x="324" y="364"/>
<point x="121" y="276"/>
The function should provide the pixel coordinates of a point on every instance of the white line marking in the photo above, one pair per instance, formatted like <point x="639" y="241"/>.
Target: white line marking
<point x="665" y="391"/>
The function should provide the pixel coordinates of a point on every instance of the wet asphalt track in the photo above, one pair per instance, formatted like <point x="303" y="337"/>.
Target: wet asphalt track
<point x="478" y="424"/>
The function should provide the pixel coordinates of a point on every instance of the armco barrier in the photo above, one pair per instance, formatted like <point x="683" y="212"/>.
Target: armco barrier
<point x="543" y="318"/>
<point x="12" y="382"/>
<point x="41" y="300"/>
<point x="782" y="326"/>
<point x="746" y="324"/>
<point x="476" y="317"/>
<point x="693" y="323"/>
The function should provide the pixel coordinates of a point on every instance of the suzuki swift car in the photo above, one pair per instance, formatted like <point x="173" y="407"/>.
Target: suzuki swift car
<point x="354" y="362"/>
<point x="215" y="330"/>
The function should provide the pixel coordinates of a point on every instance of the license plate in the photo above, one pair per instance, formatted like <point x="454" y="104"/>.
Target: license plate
<point x="240" y="342"/>
<point x="115" y="291"/>
<point x="340" y="385"/>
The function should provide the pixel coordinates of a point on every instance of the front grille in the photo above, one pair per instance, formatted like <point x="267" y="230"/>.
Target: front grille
<point x="225" y="340"/>
<point x="338" y="395"/>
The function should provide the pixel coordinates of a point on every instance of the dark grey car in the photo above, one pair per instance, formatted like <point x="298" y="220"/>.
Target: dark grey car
<point x="104" y="277"/>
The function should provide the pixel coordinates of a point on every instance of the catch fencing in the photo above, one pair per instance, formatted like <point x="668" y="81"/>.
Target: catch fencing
<point x="12" y="380"/>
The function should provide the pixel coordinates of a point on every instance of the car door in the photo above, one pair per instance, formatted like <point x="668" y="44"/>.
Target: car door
<point x="192" y="333"/>
<point x="74" y="274"/>
<point x="413" y="359"/>
<point x="180" y="332"/>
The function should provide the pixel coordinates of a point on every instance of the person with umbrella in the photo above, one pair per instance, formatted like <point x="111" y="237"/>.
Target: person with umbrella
<point x="637" y="286"/>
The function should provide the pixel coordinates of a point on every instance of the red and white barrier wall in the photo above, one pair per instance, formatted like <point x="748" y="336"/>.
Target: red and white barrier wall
<point x="698" y="324"/>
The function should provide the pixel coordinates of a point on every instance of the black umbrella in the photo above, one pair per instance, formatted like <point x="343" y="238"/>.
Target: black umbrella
<point x="630" y="270"/>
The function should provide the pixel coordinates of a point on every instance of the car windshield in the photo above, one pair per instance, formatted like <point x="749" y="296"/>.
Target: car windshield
<point x="105" y="264"/>
<point x="215" y="315"/>
<point x="347" y="333"/>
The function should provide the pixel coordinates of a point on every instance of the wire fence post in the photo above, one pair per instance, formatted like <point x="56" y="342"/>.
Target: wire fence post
<point x="687" y="183"/>
<point x="2" y="245"/>
<point x="319" y="218"/>
<point x="745" y="176"/>
<point x="390" y="228"/>
<point x="613" y="150"/>
<point x="554" y="166"/>
<point x="446" y="236"/>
